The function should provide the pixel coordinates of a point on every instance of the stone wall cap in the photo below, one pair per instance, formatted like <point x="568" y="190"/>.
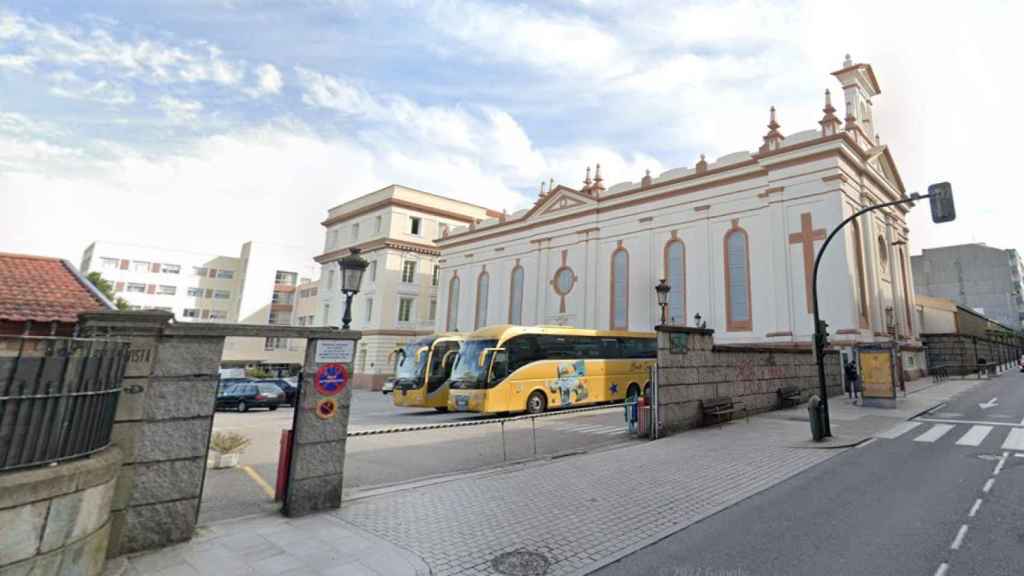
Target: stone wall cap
<point x="258" y="330"/>
<point x="683" y="329"/>
<point x="19" y="487"/>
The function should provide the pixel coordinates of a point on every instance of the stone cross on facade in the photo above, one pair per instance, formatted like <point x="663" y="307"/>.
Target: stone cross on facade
<point x="807" y="236"/>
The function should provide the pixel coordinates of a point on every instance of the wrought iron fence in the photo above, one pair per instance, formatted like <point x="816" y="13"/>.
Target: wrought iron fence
<point x="57" y="398"/>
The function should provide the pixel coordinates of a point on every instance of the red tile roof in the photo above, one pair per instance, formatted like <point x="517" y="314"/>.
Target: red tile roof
<point x="43" y="289"/>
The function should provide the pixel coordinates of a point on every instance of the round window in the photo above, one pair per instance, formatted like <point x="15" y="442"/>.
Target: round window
<point x="564" y="281"/>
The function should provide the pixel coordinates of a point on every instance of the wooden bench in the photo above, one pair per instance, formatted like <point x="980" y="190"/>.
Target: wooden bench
<point x="721" y="407"/>
<point x="788" y="396"/>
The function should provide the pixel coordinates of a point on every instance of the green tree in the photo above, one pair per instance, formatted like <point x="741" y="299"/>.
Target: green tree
<point x="107" y="289"/>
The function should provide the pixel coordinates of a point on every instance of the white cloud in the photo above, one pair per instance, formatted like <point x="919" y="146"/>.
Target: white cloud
<point x="180" y="111"/>
<point x="102" y="91"/>
<point x="324" y="91"/>
<point x="268" y="80"/>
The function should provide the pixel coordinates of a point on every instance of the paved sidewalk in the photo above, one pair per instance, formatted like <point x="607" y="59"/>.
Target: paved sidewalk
<point x="573" y="514"/>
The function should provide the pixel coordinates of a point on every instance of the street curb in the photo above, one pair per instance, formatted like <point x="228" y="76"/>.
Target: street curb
<point x="830" y="446"/>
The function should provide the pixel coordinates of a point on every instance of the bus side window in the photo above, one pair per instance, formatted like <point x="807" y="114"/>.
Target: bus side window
<point x="521" y="351"/>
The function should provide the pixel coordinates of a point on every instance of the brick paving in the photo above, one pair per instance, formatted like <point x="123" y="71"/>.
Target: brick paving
<point x="582" y="512"/>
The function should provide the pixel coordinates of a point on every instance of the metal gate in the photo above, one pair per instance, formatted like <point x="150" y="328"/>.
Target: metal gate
<point x="58" y="397"/>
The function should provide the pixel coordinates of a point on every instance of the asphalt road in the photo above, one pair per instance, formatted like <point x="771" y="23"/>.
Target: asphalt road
<point x="943" y="495"/>
<point x="379" y="460"/>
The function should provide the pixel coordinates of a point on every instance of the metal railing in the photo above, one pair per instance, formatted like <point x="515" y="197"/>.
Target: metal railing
<point x="57" y="398"/>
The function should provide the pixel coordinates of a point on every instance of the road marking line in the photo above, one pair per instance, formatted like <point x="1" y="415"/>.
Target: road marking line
<point x="941" y="571"/>
<point x="1002" y="462"/>
<point x="986" y="422"/>
<point x="974" y="509"/>
<point x="974" y="436"/>
<point x="259" y="480"/>
<point x="1014" y="440"/>
<point x="988" y="485"/>
<point x="898" y="430"/>
<point x="959" y="538"/>
<point x="937" y="431"/>
<point x="1022" y="421"/>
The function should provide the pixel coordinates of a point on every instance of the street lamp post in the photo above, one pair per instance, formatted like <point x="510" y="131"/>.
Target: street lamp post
<point x="663" y="289"/>
<point x="352" y="268"/>
<point x="941" y="199"/>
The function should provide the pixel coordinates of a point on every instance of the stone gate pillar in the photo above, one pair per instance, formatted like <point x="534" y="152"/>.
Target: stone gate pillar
<point x="317" y="463"/>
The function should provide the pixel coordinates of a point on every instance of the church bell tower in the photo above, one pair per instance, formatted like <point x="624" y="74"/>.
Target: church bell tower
<point x="859" y="86"/>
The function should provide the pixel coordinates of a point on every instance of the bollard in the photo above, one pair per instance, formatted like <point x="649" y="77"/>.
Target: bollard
<point x="284" y="458"/>
<point x="814" y="414"/>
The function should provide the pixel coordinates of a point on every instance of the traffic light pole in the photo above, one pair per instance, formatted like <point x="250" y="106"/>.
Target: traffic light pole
<point x="820" y="335"/>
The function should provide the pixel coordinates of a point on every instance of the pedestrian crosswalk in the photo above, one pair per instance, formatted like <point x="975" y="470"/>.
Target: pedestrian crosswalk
<point x="970" y="435"/>
<point x="589" y="429"/>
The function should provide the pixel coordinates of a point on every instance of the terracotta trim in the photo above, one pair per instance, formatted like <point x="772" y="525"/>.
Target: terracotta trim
<point x="845" y="331"/>
<point x="372" y="245"/>
<point x="522" y="289"/>
<point x="479" y="280"/>
<point x="906" y="294"/>
<point x="774" y="189"/>
<point x="730" y="324"/>
<point x="858" y="241"/>
<point x="611" y="277"/>
<point x="665" y="260"/>
<point x="806" y="237"/>
<point x="449" y="325"/>
<point x="554" y="281"/>
<point x="778" y="334"/>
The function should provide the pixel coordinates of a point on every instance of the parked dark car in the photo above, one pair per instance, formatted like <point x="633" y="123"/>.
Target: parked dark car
<point x="245" y="395"/>
<point x="224" y="383"/>
<point x="289" y="389"/>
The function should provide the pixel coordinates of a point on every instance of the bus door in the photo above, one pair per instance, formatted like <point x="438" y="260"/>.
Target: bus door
<point x="440" y="366"/>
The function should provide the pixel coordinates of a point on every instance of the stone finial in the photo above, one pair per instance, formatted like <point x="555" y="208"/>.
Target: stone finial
<point x="773" y="139"/>
<point x="645" y="182"/>
<point x="587" y="182"/>
<point x="702" y="165"/>
<point x="541" y="193"/>
<point x="551" y="185"/>
<point x="598" y="186"/>
<point x="503" y="216"/>
<point x="829" y="123"/>
<point x="847" y="62"/>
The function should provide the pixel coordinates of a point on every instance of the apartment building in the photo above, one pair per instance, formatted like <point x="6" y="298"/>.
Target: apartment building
<point x="395" y="227"/>
<point x="986" y="280"/>
<point x="258" y="286"/>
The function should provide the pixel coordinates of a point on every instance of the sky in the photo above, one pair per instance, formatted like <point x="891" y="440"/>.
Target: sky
<point x="201" y="124"/>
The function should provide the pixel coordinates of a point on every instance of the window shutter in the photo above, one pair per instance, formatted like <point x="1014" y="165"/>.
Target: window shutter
<point x="150" y="288"/>
<point x="154" y="267"/>
<point x="124" y="264"/>
<point x="739" y="300"/>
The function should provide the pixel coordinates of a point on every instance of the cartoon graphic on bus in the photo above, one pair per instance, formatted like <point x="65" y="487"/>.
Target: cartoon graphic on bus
<point x="569" y="381"/>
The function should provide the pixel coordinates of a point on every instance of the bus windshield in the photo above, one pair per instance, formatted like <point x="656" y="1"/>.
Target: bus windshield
<point x="410" y="370"/>
<point x="469" y="372"/>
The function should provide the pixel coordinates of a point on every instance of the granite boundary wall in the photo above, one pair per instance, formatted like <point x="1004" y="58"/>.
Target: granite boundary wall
<point x="56" y="519"/>
<point x="959" y="353"/>
<point x="751" y="374"/>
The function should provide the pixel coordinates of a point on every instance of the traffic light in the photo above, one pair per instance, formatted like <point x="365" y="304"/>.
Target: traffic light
<point x="941" y="197"/>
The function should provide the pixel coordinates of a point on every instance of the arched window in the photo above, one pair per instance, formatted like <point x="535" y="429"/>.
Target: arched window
<point x="452" y="324"/>
<point x="620" y="289"/>
<point x="862" y="287"/>
<point x="675" y="275"/>
<point x="737" y="281"/>
<point x="483" y="286"/>
<point x="515" y="295"/>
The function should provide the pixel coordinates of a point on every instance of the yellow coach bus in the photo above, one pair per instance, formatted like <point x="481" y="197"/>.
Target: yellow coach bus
<point x="421" y="375"/>
<point x="533" y="368"/>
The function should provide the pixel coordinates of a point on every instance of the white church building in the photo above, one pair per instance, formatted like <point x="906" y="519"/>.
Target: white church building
<point x="735" y="239"/>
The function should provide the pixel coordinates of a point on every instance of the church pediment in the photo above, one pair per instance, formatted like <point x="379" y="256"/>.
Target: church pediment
<point x="880" y="159"/>
<point x="561" y="199"/>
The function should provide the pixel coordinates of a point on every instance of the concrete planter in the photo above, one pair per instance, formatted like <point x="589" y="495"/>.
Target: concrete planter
<point x="225" y="460"/>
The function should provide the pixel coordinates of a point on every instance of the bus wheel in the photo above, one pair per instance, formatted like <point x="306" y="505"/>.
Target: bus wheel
<point x="536" y="403"/>
<point x="632" y="392"/>
<point x="441" y="408"/>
